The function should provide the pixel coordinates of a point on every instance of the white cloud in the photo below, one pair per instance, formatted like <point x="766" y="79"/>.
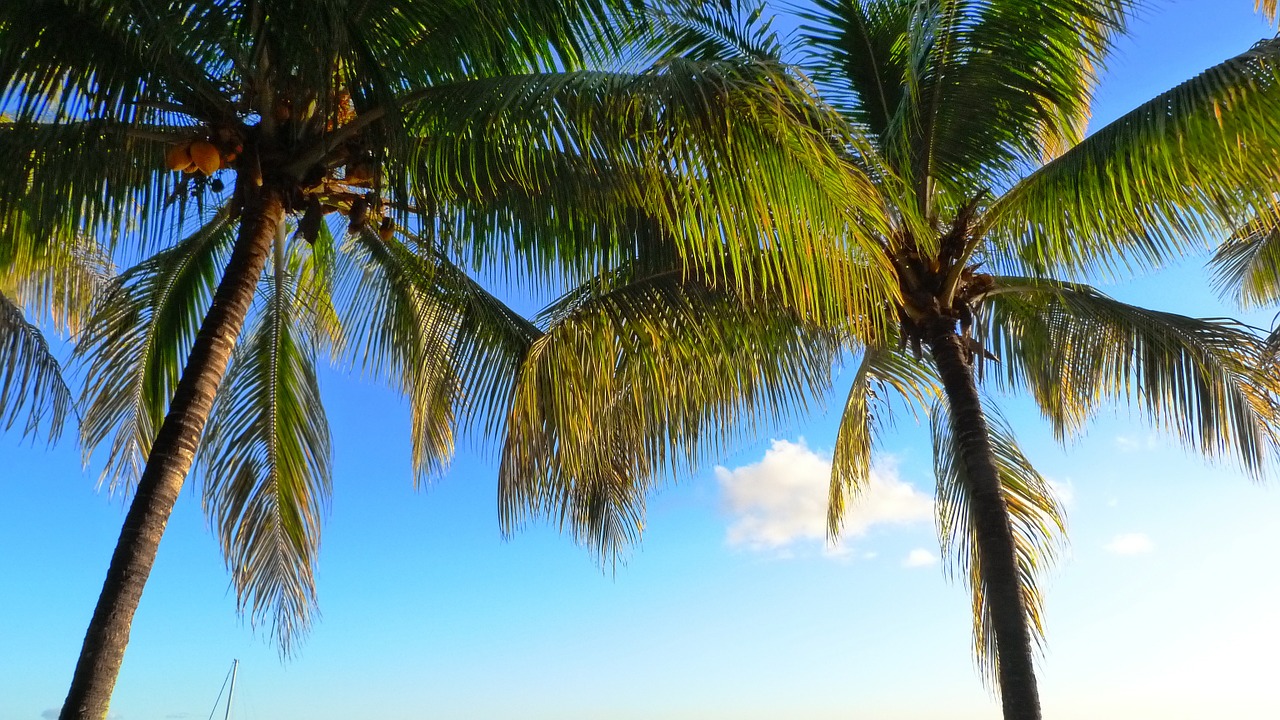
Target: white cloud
<point x="1130" y="544"/>
<point x="919" y="558"/>
<point x="782" y="500"/>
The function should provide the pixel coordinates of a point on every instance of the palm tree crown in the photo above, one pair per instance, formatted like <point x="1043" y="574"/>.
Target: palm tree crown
<point x="968" y="119"/>
<point x="213" y="141"/>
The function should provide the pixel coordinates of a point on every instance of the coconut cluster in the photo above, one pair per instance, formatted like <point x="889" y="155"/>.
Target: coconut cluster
<point x="201" y="156"/>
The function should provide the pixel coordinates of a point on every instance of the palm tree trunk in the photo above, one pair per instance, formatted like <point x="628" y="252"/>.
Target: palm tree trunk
<point x="170" y="459"/>
<point x="1019" y="695"/>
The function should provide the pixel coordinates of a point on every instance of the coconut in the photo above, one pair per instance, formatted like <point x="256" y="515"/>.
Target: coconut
<point x="178" y="157"/>
<point x="206" y="156"/>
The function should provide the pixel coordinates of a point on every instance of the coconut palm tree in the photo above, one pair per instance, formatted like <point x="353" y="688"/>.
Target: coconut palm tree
<point x="968" y="118"/>
<point x="491" y="132"/>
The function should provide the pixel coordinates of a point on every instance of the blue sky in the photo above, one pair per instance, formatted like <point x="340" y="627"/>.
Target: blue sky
<point x="1163" y="607"/>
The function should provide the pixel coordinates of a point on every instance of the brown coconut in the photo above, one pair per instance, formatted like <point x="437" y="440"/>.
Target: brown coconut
<point x="206" y="156"/>
<point x="178" y="157"/>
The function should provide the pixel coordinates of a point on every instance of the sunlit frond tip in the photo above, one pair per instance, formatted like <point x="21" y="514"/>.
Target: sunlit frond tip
<point x="267" y="468"/>
<point x="32" y="390"/>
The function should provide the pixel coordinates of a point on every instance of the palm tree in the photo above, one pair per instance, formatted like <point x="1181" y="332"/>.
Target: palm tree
<point x="968" y="119"/>
<point x="485" y="135"/>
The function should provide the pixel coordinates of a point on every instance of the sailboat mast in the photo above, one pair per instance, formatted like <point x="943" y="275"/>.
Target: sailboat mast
<point x="231" y="693"/>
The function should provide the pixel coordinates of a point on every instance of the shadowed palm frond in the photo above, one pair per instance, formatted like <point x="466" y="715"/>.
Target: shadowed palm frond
<point x="266" y="462"/>
<point x="107" y="58"/>
<point x="101" y="177"/>
<point x="1035" y="516"/>
<point x="1190" y="164"/>
<point x="636" y="383"/>
<point x="882" y="374"/>
<point x="710" y="31"/>
<point x="32" y="390"/>
<point x="1076" y="348"/>
<point x="136" y="342"/>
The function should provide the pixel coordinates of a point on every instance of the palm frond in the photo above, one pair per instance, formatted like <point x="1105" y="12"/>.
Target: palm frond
<point x="265" y="462"/>
<point x="416" y="319"/>
<point x="1195" y="161"/>
<point x="32" y="390"/>
<point x="964" y="94"/>
<point x="136" y="342"/>
<point x="882" y="374"/>
<point x="106" y="59"/>
<point x="1247" y="264"/>
<point x="711" y="31"/>
<point x="1035" y="517"/>
<point x="55" y="282"/>
<point x="638" y="382"/>
<point x="1205" y="380"/>
<point x="725" y="157"/>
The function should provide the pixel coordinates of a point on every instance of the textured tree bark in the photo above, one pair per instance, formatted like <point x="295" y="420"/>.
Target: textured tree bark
<point x="170" y="459"/>
<point x="1019" y="696"/>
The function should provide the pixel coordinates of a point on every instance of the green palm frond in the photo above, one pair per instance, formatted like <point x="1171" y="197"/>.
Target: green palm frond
<point x="266" y="463"/>
<point x="1035" y="516"/>
<point x="1075" y="348"/>
<point x="964" y="94"/>
<point x="1187" y="165"/>
<point x="709" y="31"/>
<point x="1247" y="264"/>
<point x="32" y="390"/>
<point x="56" y="282"/>
<point x="417" y="320"/>
<point x="635" y="384"/>
<point x="104" y="58"/>
<point x="400" y="334"/>
<point x="452" y="40"/>
<point x="96" y="176"/>
<point x="136" y="342"/>
<point x="726" y="157"/>
<point x="882" y="374"/>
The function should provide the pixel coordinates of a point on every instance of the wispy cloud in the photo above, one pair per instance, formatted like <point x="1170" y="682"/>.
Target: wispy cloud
<point x="919" y="558"/>
<point x="781" y="501"/>
<point x="1064" y="490"/>
<point x="1130" y="544"/>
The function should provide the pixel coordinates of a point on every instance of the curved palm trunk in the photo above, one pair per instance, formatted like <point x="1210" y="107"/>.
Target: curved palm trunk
<point x="1019" y="695"/>
<point x="170" y="459"/>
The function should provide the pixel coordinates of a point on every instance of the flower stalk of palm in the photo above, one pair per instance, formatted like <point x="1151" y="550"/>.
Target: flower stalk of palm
<point x="473" y="123"/>
<point x="968" y="118"/>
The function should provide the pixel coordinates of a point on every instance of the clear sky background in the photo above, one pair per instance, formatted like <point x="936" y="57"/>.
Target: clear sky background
<point x="1165" y="605"/>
